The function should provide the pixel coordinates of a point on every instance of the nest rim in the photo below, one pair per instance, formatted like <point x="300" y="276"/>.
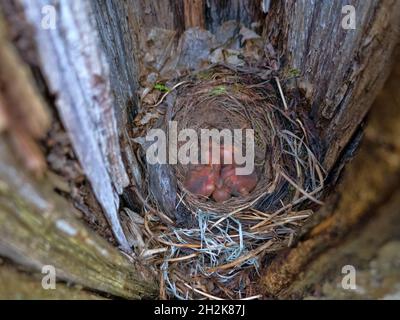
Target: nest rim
<point x="262" y="222"/>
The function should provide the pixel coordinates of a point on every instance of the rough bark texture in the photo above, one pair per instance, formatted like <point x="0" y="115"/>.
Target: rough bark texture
<point x="116" y="22"/>
<point x="194" y="13"/>
<point x="11" y="287"/>
<point x="341" y="70"/>
<point x="181" y="15"/>
<point x="361" y="217"/>
<point x="246" y="12"/>
<point x="212" y="13"/>
<point x="162" y="14"/>
<point x="77" y="75"/>
<point x="39" y="228"/>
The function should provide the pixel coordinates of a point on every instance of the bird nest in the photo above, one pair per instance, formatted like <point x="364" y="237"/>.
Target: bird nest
<point x="229" y="101"/>
<point x="219" y="251"/>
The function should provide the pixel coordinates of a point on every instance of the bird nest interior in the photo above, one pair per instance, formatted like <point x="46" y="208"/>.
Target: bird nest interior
<point x="210" y="249"/>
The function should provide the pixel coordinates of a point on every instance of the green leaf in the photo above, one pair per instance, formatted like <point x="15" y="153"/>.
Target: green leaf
<point x="161" y="87"/>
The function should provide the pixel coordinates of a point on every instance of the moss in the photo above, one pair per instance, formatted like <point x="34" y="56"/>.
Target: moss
<point x="218" y="90"/>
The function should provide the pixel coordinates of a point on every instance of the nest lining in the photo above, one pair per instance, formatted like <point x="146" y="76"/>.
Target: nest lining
<point x="218" y="254"/>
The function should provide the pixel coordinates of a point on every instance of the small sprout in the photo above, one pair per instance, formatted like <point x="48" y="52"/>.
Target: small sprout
<point x="218" y="90"/>
<point x="161" y="87"/>
<point x="294" y="72"/>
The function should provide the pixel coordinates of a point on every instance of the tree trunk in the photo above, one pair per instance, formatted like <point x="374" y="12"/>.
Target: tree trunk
<point x="37" y="226"/>
<point x="341" y="70"/>
<point x="86" y="72"/>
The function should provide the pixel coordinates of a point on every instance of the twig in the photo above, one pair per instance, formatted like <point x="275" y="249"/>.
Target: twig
<point x="189" y="256"/>
<point x="281" y="93"/>
<point x="151" y="252"/>
<point x="248" y="256"/>
<point x="203" y="293"/>
<point x="259" y="296"/>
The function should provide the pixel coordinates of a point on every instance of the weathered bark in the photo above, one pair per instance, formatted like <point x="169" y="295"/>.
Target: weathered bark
<point x="18" y="285"/>
<point x="357" y="62"/>
<point x="246" y="12"/>
<point x="211" y="14"/>
<point x="361" y="217"/>
<point x="39" y="228"/>
<point x="194" y="13"/>
<point x="115" y="22"/>
<point x="118" y="26"/>
<point x="341" y="70"/>
<point x="76" y="73"/>
<point x="161" y="14"/>
<point x="184" y="14"/>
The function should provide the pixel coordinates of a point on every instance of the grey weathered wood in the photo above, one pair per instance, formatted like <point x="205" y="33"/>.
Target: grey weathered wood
<point x="77" y="74"/>
<point x="341" y="70"/>
<point x="38" y="227"/>
<point x="118" y="27"/>
<point x="115" y="23"/>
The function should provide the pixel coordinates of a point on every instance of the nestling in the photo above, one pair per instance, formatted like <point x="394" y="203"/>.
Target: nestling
<point x="201" y="180"/>
<point x="220" y="181"/>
